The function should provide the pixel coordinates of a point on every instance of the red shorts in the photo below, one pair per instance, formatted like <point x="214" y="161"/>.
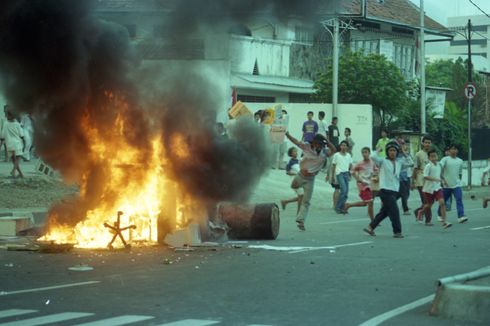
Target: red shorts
<point x="431" y="198"/>
<point x="366" y="194"/>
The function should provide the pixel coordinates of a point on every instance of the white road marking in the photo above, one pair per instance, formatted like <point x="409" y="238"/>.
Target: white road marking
<point x="49" y="319"/>
<point x="298" y="249"/>
<point x="480" y="228"/>
<point x="346" y="221"/>
<point x="48" y="288"/>
<point x="398" y="311"/>
<point x="191" y="322"/>
<point x="14" y="312"/>
<point x="116" y="321"/>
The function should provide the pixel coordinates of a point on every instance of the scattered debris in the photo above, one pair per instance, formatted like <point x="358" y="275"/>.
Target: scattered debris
<point x="189" y="236"/>
<point x="9" y="265"/>
<point x="52" y="247"/>
<point x="80" y="268"/>
<point x="183" y="249"/>
<point x="47" y="302"/>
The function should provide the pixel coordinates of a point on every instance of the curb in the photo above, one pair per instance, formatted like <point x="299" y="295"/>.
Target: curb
<point x="455" y="299"/>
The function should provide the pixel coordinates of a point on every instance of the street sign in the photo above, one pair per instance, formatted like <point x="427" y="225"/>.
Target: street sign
<point x="470" y="91"/>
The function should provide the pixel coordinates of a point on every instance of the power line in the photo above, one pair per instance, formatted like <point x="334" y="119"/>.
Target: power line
<point x="474" y="4"/>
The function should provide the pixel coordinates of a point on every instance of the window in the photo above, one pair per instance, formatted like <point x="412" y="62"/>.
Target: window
<point x="303" y="35"/>
<point x="256" y="99"/>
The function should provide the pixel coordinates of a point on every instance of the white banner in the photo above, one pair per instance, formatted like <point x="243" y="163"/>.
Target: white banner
<point x="435" y="101"/>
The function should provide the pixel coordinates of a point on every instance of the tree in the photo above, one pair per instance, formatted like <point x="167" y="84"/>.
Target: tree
<point x="366" y="79"/>
<point x="454" y="75"/>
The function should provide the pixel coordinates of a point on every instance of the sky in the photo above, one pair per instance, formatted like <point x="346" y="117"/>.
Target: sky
<point x="440" y="10"/>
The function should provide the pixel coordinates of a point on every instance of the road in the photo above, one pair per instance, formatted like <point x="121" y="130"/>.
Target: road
<point x="332" y="274"/>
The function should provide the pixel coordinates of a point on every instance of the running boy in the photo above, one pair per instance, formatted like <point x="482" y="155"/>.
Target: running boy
<point x="363" y="173"/>
<point x="452" y="169"/>
<point x="432" y="191"/>
<point x="292" y="169"/>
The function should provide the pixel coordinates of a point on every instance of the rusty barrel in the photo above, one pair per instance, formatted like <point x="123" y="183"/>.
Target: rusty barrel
<point x="250" y="221"/>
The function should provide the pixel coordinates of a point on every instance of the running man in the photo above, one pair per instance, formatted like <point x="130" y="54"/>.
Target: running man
<point x="314" y="158"/>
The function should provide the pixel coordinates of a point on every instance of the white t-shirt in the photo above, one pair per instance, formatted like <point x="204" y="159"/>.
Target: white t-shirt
<point x="452" y="168"/>
<point x="322" y="127"/>
<point x="12" y="133"/>
<point x="434" y="171"/>
<point x="342" y="162"/>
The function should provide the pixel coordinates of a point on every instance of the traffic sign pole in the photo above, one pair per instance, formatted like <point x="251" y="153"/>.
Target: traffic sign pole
<point x="469" y="146"/>
<point x="469" y="93"/>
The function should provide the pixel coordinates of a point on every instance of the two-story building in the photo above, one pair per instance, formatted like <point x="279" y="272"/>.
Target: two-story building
<point x="273" y="59"/>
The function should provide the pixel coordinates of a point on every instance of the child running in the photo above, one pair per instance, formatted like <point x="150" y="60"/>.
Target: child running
<point x="292" y="169"/>
<point x="432" y="191"/>
<point x="363" y="173"/>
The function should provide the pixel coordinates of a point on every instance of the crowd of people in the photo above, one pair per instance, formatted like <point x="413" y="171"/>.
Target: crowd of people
<point x="16" y="139"/>
<point x="389" y="173"/>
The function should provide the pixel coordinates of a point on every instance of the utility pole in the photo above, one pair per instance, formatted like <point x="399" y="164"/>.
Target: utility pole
<point x="470" y="79"/>
<point x="422" y="69"/>
<point x="335" y="82"/>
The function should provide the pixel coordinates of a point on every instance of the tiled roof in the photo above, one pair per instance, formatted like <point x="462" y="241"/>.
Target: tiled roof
<point x="402" y="12"/>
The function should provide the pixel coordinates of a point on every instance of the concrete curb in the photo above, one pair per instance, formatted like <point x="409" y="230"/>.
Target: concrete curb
<point x="455" y="299"/>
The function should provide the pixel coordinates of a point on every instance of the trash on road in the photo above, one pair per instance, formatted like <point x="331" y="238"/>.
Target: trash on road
<point x="80" y="268"/>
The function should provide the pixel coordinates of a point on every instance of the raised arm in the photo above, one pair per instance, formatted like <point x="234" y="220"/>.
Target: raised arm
<point x="292" y="139"/>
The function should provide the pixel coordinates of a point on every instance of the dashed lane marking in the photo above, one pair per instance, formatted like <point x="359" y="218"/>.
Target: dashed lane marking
<point x="49" y="319"/>
<point x="117" y="321"/>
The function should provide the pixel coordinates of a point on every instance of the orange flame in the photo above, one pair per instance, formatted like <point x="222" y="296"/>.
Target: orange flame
<point x="138" y="190"/>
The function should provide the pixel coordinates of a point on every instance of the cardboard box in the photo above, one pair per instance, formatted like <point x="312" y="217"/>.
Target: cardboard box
<point x="239" y="110"/>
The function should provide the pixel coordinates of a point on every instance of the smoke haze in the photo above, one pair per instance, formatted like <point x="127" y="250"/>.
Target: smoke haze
<point x="60" y="63"/>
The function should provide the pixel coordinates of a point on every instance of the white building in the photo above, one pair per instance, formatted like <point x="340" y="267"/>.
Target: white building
<point x="479" y="39"/>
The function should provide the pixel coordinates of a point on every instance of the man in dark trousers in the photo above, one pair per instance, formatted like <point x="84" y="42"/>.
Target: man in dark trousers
<point x="389" y="183"/>
<point x="333" y="132"/>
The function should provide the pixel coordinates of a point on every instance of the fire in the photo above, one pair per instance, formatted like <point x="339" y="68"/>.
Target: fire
<point x="137" y="189"/>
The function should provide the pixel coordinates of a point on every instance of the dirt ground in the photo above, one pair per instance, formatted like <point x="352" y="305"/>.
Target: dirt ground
<point x="32" y="191"/>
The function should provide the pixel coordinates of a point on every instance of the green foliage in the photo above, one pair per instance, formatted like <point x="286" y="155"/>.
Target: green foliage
<point x="454" y="75"/>
<point x="449" y="130"/>
<point x="366" y="79"/>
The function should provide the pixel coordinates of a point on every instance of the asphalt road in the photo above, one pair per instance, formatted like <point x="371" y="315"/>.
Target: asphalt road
<point x="332" y="274"/>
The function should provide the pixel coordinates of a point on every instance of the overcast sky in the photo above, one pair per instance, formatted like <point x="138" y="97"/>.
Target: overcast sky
<point x="440" y="10"/>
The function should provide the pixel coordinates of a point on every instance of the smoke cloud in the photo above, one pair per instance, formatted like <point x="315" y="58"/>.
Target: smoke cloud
<point x="61" y="64"/>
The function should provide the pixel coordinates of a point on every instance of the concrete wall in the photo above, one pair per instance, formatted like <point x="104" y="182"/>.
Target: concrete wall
<point x="358" y="117"/>
<point x="272" y="56"/>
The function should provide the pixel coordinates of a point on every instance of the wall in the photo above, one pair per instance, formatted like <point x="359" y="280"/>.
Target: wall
<point x="358" y="117"/>
<point x="272" y="56"/>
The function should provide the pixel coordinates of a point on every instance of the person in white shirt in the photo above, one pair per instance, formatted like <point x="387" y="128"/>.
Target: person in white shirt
<point x="341" y="166"/>
<point x="389" y="184"/>
<point x="452" y="170"/>
<point x="13" y="135"/>
<point x="3" y="121"/>
<point x="485" y="177"/>
<point x="26" y="123"/>
<point x="314" y="158"/>
<point x="432" y="190"/>
<point x="322" y="124"/>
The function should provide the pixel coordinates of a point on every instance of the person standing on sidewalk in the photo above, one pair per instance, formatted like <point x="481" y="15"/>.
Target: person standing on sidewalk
<point x="421" y="161"/>
<point x="381" y="143"/>
<point x="452" y="170"/>
<point x="405" y="175"/>
<point x="389" y="182"/>
<point x="310" y="128"/>
<point x="363" y="173"/>
<point x="314" y="157"/>
<point x="333" y="132"/>
<point x="341" y="166"/>
<point x="432" y="191"/>
<point x="13" y="135"/>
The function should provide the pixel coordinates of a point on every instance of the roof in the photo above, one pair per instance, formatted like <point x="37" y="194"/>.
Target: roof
<point x="272" y="83"/>
<point x="401" y="12"/>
